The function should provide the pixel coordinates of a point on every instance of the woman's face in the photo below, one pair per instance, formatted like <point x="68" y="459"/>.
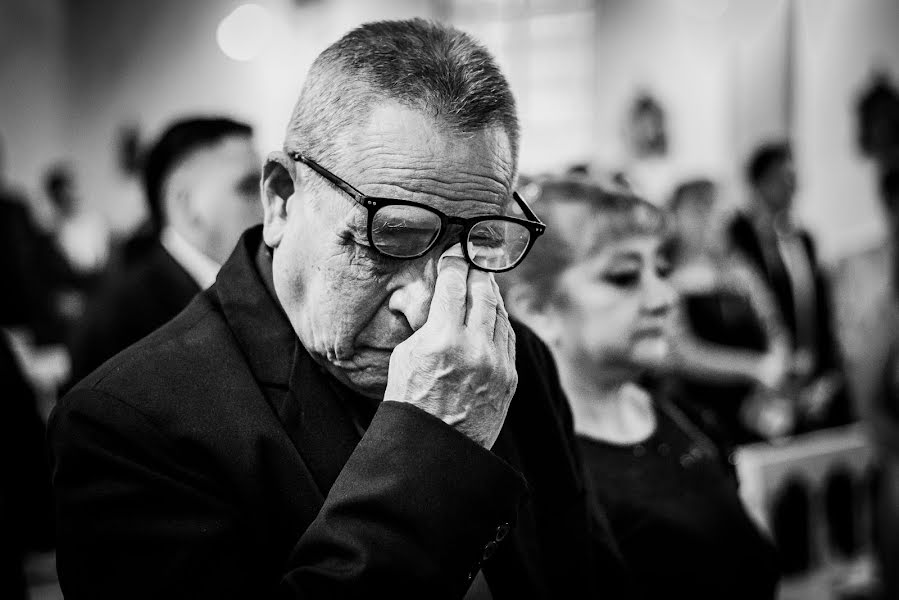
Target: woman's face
<point x="614" y="306"/>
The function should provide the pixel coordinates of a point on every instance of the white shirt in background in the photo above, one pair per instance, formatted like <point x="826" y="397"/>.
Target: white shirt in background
<point x="200" y="267"/>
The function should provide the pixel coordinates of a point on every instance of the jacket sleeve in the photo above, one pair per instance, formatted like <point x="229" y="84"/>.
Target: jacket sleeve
<point x="141" y="516"/>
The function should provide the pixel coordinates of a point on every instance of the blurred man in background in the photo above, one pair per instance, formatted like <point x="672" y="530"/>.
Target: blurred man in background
<point x="201" y="180"/>
<point x="79" y="238"/>
<point x="26" y="323"/>
<point x="785" y="254"/>
<point x="867" y="302"/>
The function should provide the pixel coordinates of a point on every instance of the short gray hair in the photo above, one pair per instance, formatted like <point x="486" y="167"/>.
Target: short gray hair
<point x="427" y="66"/>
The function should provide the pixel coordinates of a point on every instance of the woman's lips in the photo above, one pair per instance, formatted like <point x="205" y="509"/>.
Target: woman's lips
<point x="649" y="332"/>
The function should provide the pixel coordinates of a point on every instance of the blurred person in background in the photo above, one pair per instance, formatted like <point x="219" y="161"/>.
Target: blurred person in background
<point x="26" y="325"/>
<point x="734" y="388"/>
<point x="201" y="180"/>
<point x="348" y="411"/>
<point x="867" y="305"/>
<point x="868" y="296"/>
<point x="877" y="122"/>
<point x="597" y="290"/>
<point x="81" y="240"/>
<point x="879" y="390"/>
<point x="26" y="304"/>
<point x="82" y="236"/>
<point x="767" y="236"/>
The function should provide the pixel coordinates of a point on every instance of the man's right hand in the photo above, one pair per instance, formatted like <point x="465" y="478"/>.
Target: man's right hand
<point x="460" y="365"/>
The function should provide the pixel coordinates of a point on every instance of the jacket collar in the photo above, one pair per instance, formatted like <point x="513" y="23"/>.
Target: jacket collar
<point x="244" y="290"/>
<point x="323" y="419"/>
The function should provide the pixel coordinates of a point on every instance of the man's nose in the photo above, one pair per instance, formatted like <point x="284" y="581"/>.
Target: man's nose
<point x="412" y="296"/>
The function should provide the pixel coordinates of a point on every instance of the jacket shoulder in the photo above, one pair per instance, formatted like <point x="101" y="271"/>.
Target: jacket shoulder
<point x="186" y="368"/>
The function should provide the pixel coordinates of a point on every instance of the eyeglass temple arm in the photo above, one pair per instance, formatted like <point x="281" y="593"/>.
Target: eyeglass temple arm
<point x="526" y="209"/>
<point x="346" y="187"/>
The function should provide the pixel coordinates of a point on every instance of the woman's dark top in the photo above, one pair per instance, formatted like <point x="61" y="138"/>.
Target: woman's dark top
<point x="673" y="506"/>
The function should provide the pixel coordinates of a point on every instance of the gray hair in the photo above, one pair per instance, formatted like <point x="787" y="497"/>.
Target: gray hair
<point x="423" y="65"/>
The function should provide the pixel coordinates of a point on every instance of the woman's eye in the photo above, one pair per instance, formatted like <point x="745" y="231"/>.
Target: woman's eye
<point x="664" y="268"/>
<point x="623" y="278"/>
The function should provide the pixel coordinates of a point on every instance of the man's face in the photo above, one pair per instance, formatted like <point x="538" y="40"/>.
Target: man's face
<point x="223" y="183"/>
<point x="779" y="187"/>
<point x="349" y="305"/>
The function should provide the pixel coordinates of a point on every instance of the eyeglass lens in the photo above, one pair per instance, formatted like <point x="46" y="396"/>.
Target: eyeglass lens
<point x="497" y="244"/>
<point x="404" y="231"/>
<point x="407" y="231"/>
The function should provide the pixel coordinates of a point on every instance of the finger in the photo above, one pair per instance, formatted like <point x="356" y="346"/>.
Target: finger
<point x="482" y="302"/>
<point x="504" y="335"/>
<point x="511" y="347"/>
<point x="500" y="304"/>
<point x="502" y="316"/>
<point x="451" y="289"/>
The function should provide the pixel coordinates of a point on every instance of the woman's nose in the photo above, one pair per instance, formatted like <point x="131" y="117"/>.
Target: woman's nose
<point x="658" y="295"/>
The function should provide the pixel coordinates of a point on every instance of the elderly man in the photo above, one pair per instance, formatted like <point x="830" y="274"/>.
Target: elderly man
<point x="348" y="411"/>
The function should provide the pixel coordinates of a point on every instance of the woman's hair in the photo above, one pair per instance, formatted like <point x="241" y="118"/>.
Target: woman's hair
<point x="581" y="217"/>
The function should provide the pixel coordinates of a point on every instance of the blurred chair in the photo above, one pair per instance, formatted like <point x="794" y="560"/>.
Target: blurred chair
<point x="812" y="494"/>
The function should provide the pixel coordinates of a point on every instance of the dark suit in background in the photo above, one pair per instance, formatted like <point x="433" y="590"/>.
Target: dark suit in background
<point x="28" y="262"/>
<point x="216" y="459"/>
<point x="134" y="301"/>
<point x="815" y="310"/>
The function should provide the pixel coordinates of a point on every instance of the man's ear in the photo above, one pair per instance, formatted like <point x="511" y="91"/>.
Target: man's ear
<point x="277" y="187"/>
<point x="522" y="302"/>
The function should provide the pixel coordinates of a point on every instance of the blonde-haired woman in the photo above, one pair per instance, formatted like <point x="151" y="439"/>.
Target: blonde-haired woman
<point x="596" y="290"/>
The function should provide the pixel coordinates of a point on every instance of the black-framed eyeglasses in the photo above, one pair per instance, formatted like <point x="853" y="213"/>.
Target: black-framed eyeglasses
<point x="406" y="230"/>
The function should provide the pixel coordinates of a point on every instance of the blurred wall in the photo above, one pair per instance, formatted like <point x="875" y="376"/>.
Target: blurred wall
<point x="33" y="86"/>
<point x="547" y="50"/>
<point x="719" y="69"/>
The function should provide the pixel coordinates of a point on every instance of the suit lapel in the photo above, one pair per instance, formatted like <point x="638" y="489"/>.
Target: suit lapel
<point x="318" y="422"/>
<point x="299" y="393"/>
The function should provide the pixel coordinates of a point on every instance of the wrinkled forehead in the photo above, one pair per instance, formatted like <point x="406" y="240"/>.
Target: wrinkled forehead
<point x="400" y="149"/>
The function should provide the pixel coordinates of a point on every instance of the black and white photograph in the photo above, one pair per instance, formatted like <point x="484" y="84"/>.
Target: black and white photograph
<point x="449" y="299"/>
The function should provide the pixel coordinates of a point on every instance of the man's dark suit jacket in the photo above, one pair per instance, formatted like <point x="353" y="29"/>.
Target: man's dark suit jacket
<point x="215" y="459"/>
<point x="132" y="303"/>
<point x="745" y="238"/>
<point x="32" y="270"/>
